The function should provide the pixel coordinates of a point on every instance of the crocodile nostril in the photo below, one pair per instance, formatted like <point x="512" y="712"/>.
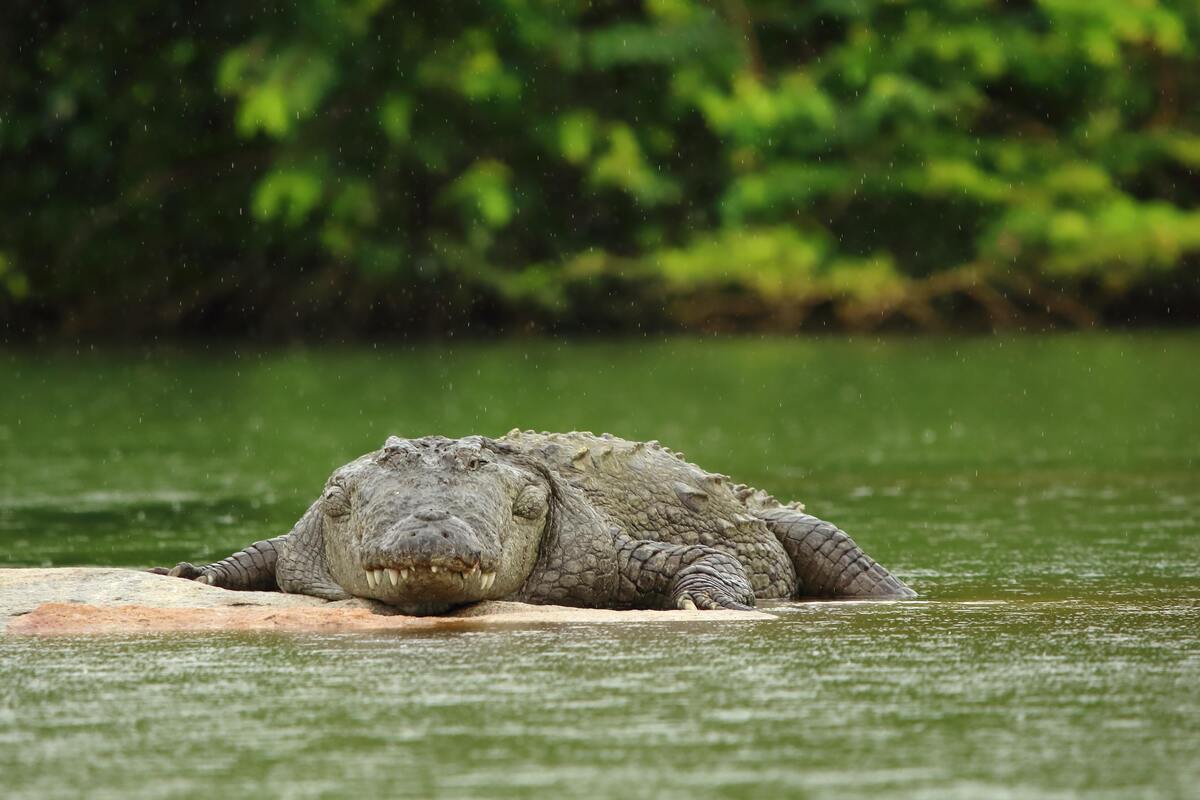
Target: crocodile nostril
<point x="445" y="535"/>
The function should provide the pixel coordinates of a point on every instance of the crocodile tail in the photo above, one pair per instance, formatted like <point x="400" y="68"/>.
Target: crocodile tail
<point x="828" y="563"/>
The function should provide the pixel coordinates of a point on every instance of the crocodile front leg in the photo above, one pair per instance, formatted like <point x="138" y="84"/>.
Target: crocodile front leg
<point x="610" y="569"/>
<point x="585" y="559"/>
<point x="294" y="563"/>
<point x="680" y="576"/>
<point x="249" y="570"/>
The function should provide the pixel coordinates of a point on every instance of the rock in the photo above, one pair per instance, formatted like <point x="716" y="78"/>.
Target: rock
<point x="80" y="600"/>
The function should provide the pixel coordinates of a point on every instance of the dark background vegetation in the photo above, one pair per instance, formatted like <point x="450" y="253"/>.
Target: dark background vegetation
<point x="327" y="168"/>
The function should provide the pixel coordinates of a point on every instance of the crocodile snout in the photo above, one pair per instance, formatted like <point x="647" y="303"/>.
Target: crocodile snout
<point x="435" y="535"/>
<point x="431" y="539"/>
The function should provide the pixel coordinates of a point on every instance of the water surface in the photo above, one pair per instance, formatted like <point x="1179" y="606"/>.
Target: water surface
<point x="1040" y="493"/>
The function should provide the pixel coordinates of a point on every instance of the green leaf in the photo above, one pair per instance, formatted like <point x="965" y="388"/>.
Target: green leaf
<point x="287" y="194"/>
<point x="395" y="117"/>
<point x="483" y="194"/>
<point x="276" y="90"/>
<point x="12" y="281"/>
<point x="623" y="166"/>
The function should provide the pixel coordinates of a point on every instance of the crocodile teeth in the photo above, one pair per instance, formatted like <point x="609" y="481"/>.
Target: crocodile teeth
<point x="393" y="576"/>
<point x="371" y="578"/>
<point x="488" y="579"/>
<point x="404" y="574"/>
<point x="433" y="568"/>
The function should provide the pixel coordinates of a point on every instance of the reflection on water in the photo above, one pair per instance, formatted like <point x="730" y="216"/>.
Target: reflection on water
<point x="1040" y="493"/>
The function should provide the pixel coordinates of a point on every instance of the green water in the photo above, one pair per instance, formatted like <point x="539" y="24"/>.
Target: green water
<point x="1040" y="493"/>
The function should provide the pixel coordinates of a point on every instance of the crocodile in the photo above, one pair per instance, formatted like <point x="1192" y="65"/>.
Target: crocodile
<point x="431" y="523"/>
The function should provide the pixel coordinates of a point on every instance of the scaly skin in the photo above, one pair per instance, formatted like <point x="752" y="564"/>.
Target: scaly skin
<point x="573" y="518"/>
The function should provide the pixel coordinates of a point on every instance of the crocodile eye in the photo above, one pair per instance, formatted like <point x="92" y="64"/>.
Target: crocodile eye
<point x="531" y="503"/>
<point x="335" y="500"/>
<point x="475" y="462"/>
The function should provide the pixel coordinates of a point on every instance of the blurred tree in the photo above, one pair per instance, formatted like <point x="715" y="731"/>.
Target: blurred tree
<point x="362" y="166"/>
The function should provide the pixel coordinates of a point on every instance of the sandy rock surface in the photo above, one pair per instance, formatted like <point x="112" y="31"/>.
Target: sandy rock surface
<point x="79" y="600"/>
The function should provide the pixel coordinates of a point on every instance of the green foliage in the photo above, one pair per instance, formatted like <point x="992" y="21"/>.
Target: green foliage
<point x="13" y="283"/>
<point x="288" y="195"/>
<point x="387" y="165"/>
<point x="275" y="90"/>
<point x="482" y="194"/>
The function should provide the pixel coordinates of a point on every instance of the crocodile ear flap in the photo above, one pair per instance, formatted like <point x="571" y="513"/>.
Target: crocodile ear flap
<point x="570" y="508"/>
<point x="577" y="538"/>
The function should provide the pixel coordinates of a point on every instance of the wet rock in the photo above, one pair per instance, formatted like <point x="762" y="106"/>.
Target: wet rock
<point x="80" y="600"/>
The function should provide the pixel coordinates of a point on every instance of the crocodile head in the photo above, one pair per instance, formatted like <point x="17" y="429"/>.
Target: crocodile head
<point x="428" y="524"/>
